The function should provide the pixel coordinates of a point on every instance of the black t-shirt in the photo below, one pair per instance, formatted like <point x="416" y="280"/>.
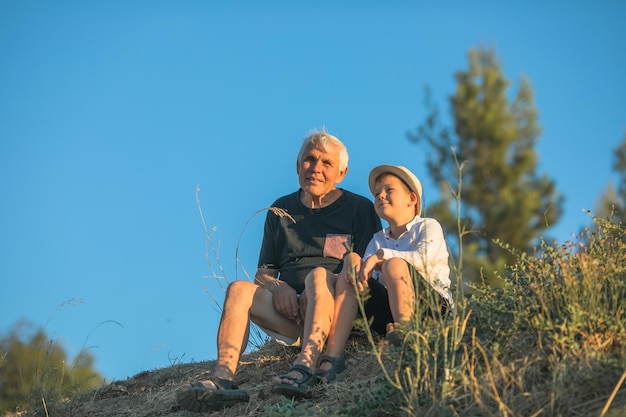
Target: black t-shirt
<point x="319" y="237"/>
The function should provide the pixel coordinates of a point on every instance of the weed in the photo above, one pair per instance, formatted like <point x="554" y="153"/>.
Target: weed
<point x="549" y="339"/>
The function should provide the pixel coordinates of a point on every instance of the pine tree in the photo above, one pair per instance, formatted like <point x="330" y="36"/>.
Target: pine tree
<point x="613" y="201"/>
<point x="502" y="195"/>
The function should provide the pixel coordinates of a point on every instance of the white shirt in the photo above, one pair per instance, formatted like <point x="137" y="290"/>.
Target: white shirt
<point x="423" y="246"/>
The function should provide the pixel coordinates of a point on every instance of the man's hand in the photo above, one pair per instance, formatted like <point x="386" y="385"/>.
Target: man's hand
<point x="285" y="299"/>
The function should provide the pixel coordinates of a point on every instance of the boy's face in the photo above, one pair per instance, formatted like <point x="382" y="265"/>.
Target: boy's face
<point x="393" y="201"/>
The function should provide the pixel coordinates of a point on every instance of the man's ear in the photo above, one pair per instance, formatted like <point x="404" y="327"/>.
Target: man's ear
<point x="341" y="175"/>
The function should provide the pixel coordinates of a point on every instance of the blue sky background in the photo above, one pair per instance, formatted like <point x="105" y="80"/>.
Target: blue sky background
<point x="111" y="113"/>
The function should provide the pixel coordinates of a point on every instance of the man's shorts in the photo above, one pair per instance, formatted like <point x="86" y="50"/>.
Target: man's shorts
<point x="280" y="339"/>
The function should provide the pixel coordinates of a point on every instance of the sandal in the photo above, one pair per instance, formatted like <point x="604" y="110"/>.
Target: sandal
<point x="198" y="398"/>
<point x="338" y="365"/>
<point x="301" y="390"/>
<point x="396" y="332"/>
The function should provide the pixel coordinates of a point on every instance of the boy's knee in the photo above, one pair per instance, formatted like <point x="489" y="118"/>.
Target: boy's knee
<point x="343" y="284"/>
<point x="351" y="259"/>
<point x="395" y="265"/>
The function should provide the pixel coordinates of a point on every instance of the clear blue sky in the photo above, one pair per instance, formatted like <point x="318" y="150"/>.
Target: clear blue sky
<point x="112" y="112"/>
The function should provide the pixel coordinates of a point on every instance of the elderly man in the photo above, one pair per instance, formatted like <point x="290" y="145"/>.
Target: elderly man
<point x="292" y="298"/>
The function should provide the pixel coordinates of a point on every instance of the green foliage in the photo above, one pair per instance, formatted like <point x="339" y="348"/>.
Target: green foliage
<point x="35" y="370"/>
<point x="504" y="196"/>
<point x="369" y="399"/>
<point x="550" y="339"/>
<point x="576" y="292"/>
<point x="288" y="408"/>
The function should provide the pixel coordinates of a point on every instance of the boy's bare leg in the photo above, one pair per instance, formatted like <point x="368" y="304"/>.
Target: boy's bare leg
<point x="400" y="288"/>
<point x="319" y="293"/>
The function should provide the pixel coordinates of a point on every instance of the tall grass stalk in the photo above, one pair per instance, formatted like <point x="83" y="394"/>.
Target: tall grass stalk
<point x="257" y="338"/>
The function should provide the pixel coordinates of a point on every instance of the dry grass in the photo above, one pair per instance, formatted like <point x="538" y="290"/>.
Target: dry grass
<point x="153" y="393"/>
<point x="550" y="341"/>
<point x="534" y="379"/>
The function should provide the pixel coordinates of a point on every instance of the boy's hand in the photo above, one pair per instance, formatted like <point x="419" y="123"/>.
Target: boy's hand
<point x="367" y="267"/>
<point x="365" y="273"/>
<point x="351" y="267"/>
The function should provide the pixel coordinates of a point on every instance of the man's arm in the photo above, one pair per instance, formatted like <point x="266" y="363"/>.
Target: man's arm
<point x="365" y="224"/>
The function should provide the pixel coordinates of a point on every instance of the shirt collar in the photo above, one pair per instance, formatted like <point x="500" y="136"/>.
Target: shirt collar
<point x="409" y="225"/>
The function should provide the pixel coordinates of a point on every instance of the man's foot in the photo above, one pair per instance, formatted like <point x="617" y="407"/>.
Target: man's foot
<point x="296" y="383"/>
<point x="212" y="394"/>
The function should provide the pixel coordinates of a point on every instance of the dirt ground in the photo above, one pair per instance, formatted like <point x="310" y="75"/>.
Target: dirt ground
<point x="153" y="393"/>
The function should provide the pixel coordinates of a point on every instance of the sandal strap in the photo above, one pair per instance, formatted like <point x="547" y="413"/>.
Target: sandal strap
<point x="332" y="360"/>
<point x="223" y="384"/>
<point x="338" y="365"/>
<point x="304" y="370"/>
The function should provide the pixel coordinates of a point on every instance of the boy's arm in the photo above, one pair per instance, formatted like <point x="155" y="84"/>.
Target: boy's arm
<point x="429" y="250"/>
<point x="372" y="262"/>
<point x="372" y="259"/>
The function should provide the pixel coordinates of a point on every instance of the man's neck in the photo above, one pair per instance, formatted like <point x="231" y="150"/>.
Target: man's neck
<point x="316" y="202"/>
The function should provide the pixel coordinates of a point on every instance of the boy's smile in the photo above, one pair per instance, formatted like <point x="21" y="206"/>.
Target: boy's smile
<point x="393" y="201"/>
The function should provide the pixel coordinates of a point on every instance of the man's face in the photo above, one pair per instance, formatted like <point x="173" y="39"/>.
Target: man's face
<point x="318" y="171"/>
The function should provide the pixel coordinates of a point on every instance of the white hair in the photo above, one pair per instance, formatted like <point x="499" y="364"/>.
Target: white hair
<point x="322" y="140"/>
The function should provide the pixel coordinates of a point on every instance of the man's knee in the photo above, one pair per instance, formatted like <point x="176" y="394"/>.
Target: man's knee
<point x="240" y="290"/>
<point x="315" y="274"/>
<point x="320" y="278"/>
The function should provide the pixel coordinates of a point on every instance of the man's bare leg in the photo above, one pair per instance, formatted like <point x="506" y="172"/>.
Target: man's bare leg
<point x="319" y="292"/>
<point x="346" y="309"/>
<point x="243" y="300"/>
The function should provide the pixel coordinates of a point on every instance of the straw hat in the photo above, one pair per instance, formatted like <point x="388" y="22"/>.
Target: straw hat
<point x="404" y="174"/>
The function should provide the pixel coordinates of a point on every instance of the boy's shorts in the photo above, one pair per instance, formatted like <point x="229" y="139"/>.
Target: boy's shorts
<point x="377" y="306"/>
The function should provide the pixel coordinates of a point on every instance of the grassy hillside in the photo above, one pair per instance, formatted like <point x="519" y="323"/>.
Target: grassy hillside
<point x="550" y="341"/>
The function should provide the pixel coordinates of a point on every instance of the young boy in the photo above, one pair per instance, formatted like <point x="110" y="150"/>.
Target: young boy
<point x="408" y="259"/>
<point x="411" y="251"/>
